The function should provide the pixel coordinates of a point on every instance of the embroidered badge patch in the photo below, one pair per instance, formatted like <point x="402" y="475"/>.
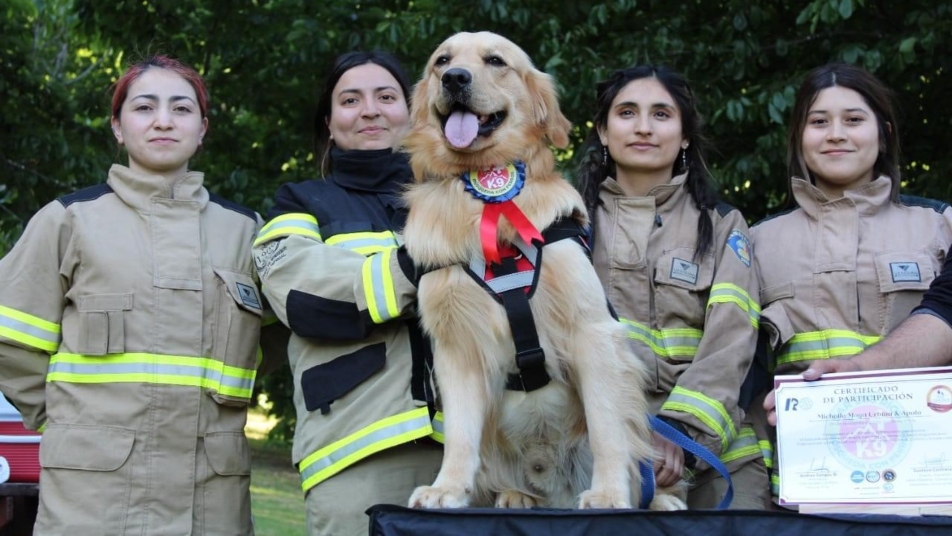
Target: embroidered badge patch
<point x="496" y="184"/>
<point x="249" y="296"/>
<point x="684" y="271"/>
<point x="740" y="245"/>
<point x="905" y="271"/>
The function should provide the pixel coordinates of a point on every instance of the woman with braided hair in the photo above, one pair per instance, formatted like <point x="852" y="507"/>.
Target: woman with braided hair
<point x="676" y="266"/>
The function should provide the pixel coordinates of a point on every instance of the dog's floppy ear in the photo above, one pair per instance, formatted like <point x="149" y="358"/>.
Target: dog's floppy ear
<point x="419" y="104"/>
<point x="545" y="108"/>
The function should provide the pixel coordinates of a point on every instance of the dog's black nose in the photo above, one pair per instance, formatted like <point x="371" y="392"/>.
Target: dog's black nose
<point x="456" y="79"/>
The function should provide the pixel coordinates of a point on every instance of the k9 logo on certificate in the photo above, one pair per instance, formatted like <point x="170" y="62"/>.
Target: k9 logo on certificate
<point x="872" y="437"/>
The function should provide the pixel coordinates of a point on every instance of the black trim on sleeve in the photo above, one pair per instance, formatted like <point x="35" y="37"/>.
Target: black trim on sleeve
<point x="724" y="209"/>
<point x="777" y="215"/>
<point x="86" y="194"/>
<point x="915" y="201"/>
<point x="321" y="318"/>
<point x="231" y="205"/>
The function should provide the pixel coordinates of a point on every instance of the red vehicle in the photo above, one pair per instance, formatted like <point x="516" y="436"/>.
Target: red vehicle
<point x="19" y="472"/>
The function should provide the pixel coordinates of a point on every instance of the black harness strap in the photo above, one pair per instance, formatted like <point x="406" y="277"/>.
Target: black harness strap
<point x="530" y="358"/>
<point x="529" y="355"/>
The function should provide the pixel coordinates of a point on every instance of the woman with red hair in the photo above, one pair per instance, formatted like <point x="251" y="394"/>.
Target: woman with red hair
<point x="129" y="323"/>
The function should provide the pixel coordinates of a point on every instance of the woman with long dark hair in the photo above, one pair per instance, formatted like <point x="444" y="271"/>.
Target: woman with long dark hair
<point x="331" y="264"/>
<point x="676" y="265"/>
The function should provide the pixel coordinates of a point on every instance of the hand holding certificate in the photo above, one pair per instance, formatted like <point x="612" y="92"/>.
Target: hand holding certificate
<point x="870" y="437"/>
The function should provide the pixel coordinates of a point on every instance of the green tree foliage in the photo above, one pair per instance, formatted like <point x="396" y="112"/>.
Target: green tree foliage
<point x="264" y="60"/>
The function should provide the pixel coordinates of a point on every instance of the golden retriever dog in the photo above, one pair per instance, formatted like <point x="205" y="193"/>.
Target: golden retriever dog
<point x="576" y="441"/>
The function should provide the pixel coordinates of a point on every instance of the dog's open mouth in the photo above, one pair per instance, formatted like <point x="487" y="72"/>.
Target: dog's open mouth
<point x="462" y="126"/>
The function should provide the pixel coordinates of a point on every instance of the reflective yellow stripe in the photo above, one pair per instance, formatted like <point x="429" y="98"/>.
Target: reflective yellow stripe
<point x="378" y="287"/>
<point x="365" y="243"/>
<point x="189" y="371"/>
<point x="775" y="484"/>
<point x="438" y="431"/>
<point x="293" y="223"/>
<point x="29" y="330"/>
<point x="824" y="344"/>
<point x="767" y="450"/>
<point x="705" y="409"/>
<point x="678" y="344"/>
<point x="745" y="445"/>
<point x="383" y="434"/>
<point x="730" y="293"/>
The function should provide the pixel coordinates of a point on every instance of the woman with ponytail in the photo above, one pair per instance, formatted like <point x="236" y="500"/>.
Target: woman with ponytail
<point x="676" y="265"/>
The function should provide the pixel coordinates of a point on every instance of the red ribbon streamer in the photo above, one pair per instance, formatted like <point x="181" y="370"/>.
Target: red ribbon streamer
<point x="489" y="225"/>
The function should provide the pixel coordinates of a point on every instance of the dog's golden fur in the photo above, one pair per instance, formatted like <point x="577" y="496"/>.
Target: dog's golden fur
<point x="576" y="441"/>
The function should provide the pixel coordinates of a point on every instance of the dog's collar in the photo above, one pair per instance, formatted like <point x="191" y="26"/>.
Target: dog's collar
<point x="496" y="184"/>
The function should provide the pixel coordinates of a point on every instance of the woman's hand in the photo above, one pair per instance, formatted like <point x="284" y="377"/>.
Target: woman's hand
<point x="668" y="463"/>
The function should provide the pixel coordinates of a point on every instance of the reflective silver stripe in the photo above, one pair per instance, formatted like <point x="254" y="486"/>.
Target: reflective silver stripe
<point x="18" y="326"/>
<point x="438" y="424"/>
<point x="705" y="409"/>
<point x="364" y="242"/>
<point x="310" y="467"/>
<point x="508" y="282"/>
<point x="276" y="226"/>
<point x="292" y="223"/>
<point x="741" y="299"/>
<point x="745" y="445"/>
<point x="383" y="305"/>
<point x="103" y="372"/>
<point x="673" y="343"/>
<point x="767" y="452"/>
<point x="824" y="345"/>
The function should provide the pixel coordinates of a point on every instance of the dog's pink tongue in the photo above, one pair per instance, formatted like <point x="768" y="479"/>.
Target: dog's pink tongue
<point x="461" y="128"/>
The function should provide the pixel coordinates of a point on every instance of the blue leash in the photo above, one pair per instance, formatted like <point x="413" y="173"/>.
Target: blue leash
<point x="671" y="434"/>
<point x="647" y="484"/>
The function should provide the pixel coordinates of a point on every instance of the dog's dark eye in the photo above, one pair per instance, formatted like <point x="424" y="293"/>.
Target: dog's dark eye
<point x="442" y="60"/>
<point x="495" y="60"/>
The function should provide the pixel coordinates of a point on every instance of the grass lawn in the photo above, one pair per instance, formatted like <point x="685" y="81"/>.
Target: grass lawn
<point x="277" y="503"/>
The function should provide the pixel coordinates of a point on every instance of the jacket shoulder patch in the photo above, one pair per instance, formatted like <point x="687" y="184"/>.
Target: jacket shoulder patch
<point x="86" y="194"/>
<point x="244" y="211"/>
<point x="915" y="201"/>
<point x="740" y="245"/>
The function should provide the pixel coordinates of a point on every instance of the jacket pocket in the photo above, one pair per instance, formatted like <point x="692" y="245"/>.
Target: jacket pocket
<point x="228" y="453"/>
<point x="903" y="278"/>
<point x="238" y="331"/>
<point x="682" y="286"/>
<point x="85" y="447"/>
<point x="101" y="323"/>
<point x="323" y="384"/>
<point x="226" y="502"/>
<point x="84" y="468"/>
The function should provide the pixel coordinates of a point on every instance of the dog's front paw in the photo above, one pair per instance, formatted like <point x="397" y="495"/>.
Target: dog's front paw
<point x="601" y="500"/>
<point x="667" y="503"/>
<point x="515" y="499"/>
<point x="439" y="497"/>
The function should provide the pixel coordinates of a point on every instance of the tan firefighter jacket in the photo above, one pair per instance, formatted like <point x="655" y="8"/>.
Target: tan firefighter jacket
<point x="693" y="321"/>
<point x="837" y="275"/>
<point x="129" y="324"/>
<point x="329" y="265"/>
